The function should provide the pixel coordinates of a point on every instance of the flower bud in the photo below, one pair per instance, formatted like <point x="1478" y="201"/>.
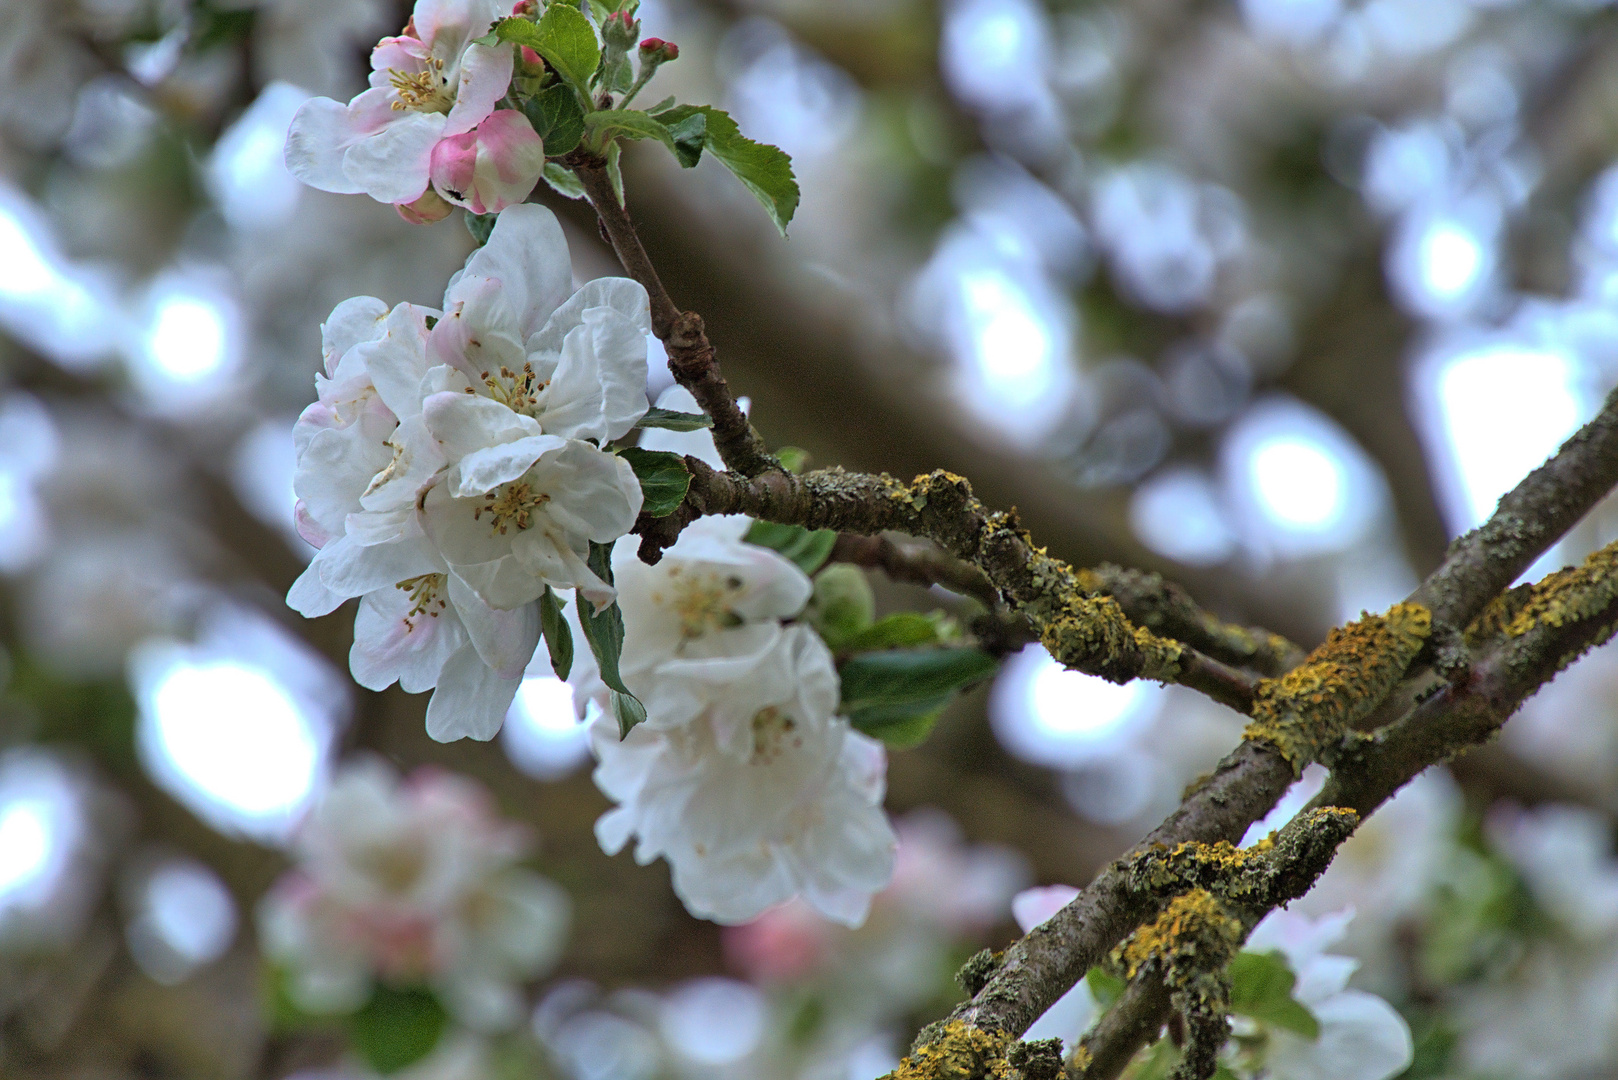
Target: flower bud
<point x="620" y="30"/>
<point x="657" y="51"/>
<point x="529" y="63"/>
<point x="526" y="8"/>
<point x="491" y="167"/>
<point x="429" y="208"/>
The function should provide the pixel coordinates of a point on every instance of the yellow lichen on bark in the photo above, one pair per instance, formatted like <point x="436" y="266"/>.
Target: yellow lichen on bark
<point x="1193" y="932"/>
<point x="1088" y="629"/>
<point x="1312" y="706"/>
<point x="1568" y="596"/>
<point x="958" y="1052"/>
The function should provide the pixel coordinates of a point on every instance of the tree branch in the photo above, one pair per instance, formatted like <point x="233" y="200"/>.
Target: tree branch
<point x="691" y="355"/>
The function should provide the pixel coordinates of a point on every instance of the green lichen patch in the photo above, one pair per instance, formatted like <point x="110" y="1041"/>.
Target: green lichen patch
<point x="1194" y="933"/>
<point x="1567" y="596"/>
<point x="1307" y="710"/>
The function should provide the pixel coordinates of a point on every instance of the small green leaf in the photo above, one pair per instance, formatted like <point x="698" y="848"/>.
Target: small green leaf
<point x="792" y="458"/>
<point x="398" y="1028"/>
<point x="903" y="676"/>
<point x="809" y="550"/>
<point x="899" y="730"/>
<point x="901" y="630"/>
<point x="764" y="170"/>
<point x="480" y="226"/>
<point x="557" y="117"/>
<point x="663" y="477"/>
<point x="563" y="181"/>
<point x="564" y="37"/>
<point x="675" y="421"/>
<point x="615" y="171"/>
<point x="1104" y="986"/>
<point x="662" y="106"/>
<point x="558" y="635"/>
<point x="842" y="605"/>
<point x="683" y="139"/>
<point x="604" y="630"/>
<point x="1261" y="988"/>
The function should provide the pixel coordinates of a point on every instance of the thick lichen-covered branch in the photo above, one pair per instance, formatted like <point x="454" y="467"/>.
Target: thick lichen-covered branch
<point x="1311" y="707"/>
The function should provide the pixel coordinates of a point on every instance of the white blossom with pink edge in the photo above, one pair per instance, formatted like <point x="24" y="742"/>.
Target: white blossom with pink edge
<point x="364" y="460"/>
<point x="412" y="883"/>
<point x="764" y="795"/>
<point x="430" y="86"/>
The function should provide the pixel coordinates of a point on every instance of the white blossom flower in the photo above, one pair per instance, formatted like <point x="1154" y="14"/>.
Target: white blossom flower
<point x="364" y="459"/>
<point x="1361" y="1036"/>
<point x="702" y="615"/>
<point x="535" y="381"/>
<point x="764" y="795"/>
<point x="412" y="883"/>
<point x="430" y="86"/>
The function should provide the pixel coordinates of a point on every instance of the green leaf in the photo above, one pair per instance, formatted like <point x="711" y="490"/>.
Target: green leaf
<point x="809" y="550"/>
<point x="792" y="458"/>
<point x="480" y="226"/>
<point x="1261" y="987"/>
<point x="602" y="8"/>
<point x="557" y="117"/>
<point x="563" y="181"/>
<point x="604" y="630"/>
<point x="763" y="169"/>
<point x="903" y="629"/>
<point x="558" y="635"/>
<point x="683" y="139"/>
<point x="675" y="421"/>
<point x="615" y="171"/>
<point x="564" y="37"/>
<point x="1104" y="986"/>
<point x="900" y="726"/>
<point x="904" y="676"/>
<point x="663" y="106"/>
<point x="663" y="477"/>
<point x="398" y="1028"/>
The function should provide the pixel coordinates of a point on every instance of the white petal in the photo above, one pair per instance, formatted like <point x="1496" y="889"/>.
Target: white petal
<point x="471" y="700"/>
<point x="484" y="470"/>
<point x="356" y="319"/>
<point x="1361" y="1038"/>
<point x="392" y="644"/>
<point x="505" y="640"/>
<point x="392" y="165"/>
<point x="464" y="423"/>
<point x="527" y="253"/>
<point x="310" y="597"/>
<point x="322" y="131"/>
<point x="485" y="78"/>
<point x="397" y="359"/>
<point x="351" y="569"/>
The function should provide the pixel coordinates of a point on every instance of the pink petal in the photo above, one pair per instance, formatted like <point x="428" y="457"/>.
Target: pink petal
<point x="492" y="167"/>
<point x="485" y="78"/>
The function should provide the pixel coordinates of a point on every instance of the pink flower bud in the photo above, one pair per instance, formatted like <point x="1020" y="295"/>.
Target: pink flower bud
<point x="425" y="210"/>
<point x="410" y="29"/>
<point x="491" y="167"/>
<point x="656" y="50"/>
<point x="525" y="7"/>
<point x="619" y="30"/>
<point x="529" y="62"/>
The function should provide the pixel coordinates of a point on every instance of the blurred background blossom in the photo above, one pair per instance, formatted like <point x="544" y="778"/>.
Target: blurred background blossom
<point x="1274" y="297"/>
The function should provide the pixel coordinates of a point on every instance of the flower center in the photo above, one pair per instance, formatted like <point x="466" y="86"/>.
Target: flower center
<point x="517" y="391"/>
<point x="511" y="504"/>
<point x="422" y="91"/>
<point x="774" y="732"/>
<point x="424" y="596"/>
<point x="702" y="602"/>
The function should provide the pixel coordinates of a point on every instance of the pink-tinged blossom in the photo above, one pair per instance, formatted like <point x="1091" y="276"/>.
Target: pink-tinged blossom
<point x="428" y="85"/>
<point x="411" y="883"/>
<point x="491" y="167"/>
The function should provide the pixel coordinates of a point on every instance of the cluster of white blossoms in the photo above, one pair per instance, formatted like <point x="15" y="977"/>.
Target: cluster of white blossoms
<point x="742" y="776"/>
<point x="452" y="467"/>
<point x="411" y="884"/>
<point x="427" y="133"/>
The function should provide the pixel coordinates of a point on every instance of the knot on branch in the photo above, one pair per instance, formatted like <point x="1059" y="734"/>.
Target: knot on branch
<point x="977" y="971"/>
<point x="1309" y="709"/>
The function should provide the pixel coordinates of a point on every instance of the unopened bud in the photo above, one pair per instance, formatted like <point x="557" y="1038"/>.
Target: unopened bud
<point x="528" y="8"/>
<point x="429" y="208"/>
<point x="619" y="30"/>
<point x="657" y="51"/>
<point x="410" y="29"/>
<point x="529" y="63"/>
